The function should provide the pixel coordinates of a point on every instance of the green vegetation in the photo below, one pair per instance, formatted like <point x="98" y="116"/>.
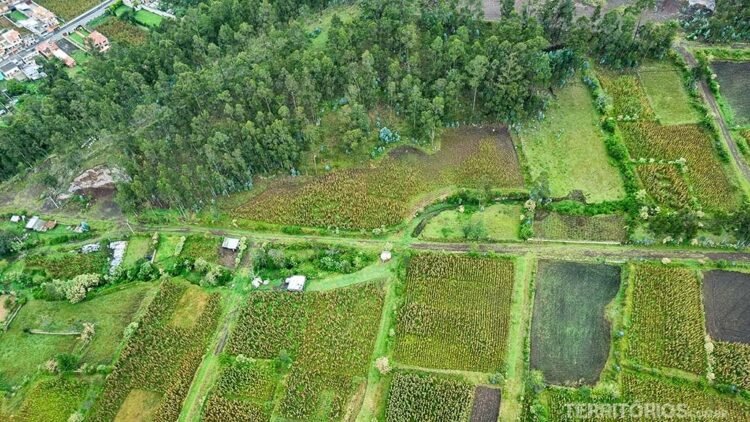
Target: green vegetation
<point x="21" y="352"/>
<point x="148" y="19"/>
<point x="52" y="399"/>
<point x="731" y="364"/>
<point x="495" y="223"/>
<point x="416" y="397"/>
<point x="161" y="358"/>
<point x="665" y="90"/>
<point x="600" y="228"/>
<point x="325" y="339"/>
<point x="123" y="33"/>
<point x="666" y="325"/>
<point x="570" y="334"/>
<point x="665" y="184"/>
<point x="456" y="312"/>
<point x="68" y="9"/>
<point x="138" y="248"/>
<point x="696" y="150"/>
<point x="65" y="266"/>
<point x="568" y="147"/>
<point x="244" y="391"/>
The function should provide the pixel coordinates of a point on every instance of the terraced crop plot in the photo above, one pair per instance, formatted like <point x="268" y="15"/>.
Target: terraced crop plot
<point x="570" y="335"/>
<point x="666" y="93"/>
<point x="64" y="266"/>
<point x="417" y="397"/>
<point x="51" y="399"/>
<point x="666" y="325"/>
<point x="456" y="312"/>
<point x="368" y="198"/>
<point x="569" y="147"/>
<point x="156" y="368"/>
<point x="734" y="81"/>
<point x="330" y="337"/>
<point x="665" y="184"/>
<point x="726" y="297"/>
<point x="601" y="228"/>
<point x="710" y="182"/>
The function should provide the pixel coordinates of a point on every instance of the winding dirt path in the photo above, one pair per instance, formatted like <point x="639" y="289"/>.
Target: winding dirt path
<point x="708" y="96"/>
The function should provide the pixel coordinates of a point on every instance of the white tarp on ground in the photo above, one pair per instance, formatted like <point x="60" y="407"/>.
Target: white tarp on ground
<point x="118" y="253"/>
<point x="296" y="283"/>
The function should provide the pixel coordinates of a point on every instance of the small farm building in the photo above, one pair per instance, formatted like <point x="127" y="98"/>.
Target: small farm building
<point x="231" y="243"/>
<point x="90" y="248"/>
<point x="385" y="256"/>
<point x="296" y="283"/>
<point x="15" y="219"/>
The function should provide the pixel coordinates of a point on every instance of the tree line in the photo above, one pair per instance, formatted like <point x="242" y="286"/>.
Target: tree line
<point x="237" y="89"/>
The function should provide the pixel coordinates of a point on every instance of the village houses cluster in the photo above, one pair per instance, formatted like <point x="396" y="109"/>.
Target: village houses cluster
<point x="25" y="29"/>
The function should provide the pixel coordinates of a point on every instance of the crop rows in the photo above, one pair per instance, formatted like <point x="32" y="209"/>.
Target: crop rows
<point x="580" y="227"/>
<point x="666" y="327"/>
<point x="160" y="357"/>
<point x="68" y="9"/>
<point x="370" y="198"/>
<point x="414" y="397"/>
<point x="64" y="267"/>
<point x="456" y="312"/>
<point x="665" y="184"/>
<point x="691" y="143"/>
<point x="350" y="199"/>
<point x="329" y="335"/>
<point x="732" y="364"/>
<point x="122" y="32"/>
<point x="629" y="101"/>
<point x="243" y="392"/>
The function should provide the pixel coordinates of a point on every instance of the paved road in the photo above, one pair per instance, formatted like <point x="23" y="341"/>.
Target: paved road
<point x="83" y="19"/>
<point x="711" y="100"/>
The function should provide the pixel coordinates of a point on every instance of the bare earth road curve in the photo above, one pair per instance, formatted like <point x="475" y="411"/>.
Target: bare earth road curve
<point x="708" y="96"/>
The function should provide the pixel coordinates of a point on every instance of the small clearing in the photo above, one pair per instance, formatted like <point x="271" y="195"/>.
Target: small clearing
<point x="140" y="405"/>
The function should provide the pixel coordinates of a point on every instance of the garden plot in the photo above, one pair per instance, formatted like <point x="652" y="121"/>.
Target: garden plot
<point x="244" y="391"/>
<point x="155" y="370"/>
<point x="665" y="184"/>
<point x="694" y="147"/>
<point x="726" y="297"/>
<point x="666" y="322"/>
<point x="486" y="404"/>
<point x="51" y="399"/>
<point x="384" y="194"/>
<point x="568" y="147"/>
<point x="456" y="312"/>
<point x="666" y="93"/>
<point x="599" y="228"/>
<point x="570" y="335"/>
<point x="329" y="336"/>
<point x="734" y="81"/>
<point x="421" y="397"/>
<point x="68" y="9"/>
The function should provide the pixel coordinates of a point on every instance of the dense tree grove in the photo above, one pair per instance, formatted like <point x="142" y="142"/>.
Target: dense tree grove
<point x="237" y="88"/>
<point x="729" y="23"/>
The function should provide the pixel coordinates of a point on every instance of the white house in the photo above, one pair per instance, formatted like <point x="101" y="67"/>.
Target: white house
<point x="15" y="219"/>
<point x="296" y="283"/>
<point x="385" y="256"/>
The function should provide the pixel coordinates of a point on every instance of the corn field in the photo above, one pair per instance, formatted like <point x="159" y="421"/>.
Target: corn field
<point x="328" y="335"/>
<point x="629" y="101"/>
<point x="665" y="184"/>
<point x="243" y="392"/>
<point x="731" y="364"/>
<point x="705" y="173"/>
<point x="456" y="312"/>
<point x="428" y="398"/>
<point x="159" y="357"/>
<point x="580" y="227"/>
<point x="666" y="328"/>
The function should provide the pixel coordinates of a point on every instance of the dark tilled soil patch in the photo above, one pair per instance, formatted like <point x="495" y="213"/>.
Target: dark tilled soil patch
<point x="726" y="297"/>
<point x="227" y="257"/>
<point x="734" y="79"/>
<point x="486" y="404"/>
<point x="570" y="335"/>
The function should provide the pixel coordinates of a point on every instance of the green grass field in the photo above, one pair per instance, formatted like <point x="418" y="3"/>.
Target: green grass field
<point x="138" y="248"/>
<point x="570" y="337"/>
<point x="21" y="353"/>
<point x="569" y="146"/>
<point x="148" y="19"/>
<point x="500" y="222"/>
<point x="666" y="93"/>
<point x="50" y="399"/>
